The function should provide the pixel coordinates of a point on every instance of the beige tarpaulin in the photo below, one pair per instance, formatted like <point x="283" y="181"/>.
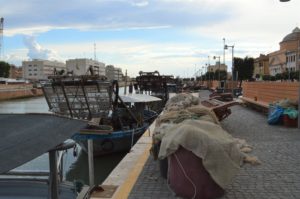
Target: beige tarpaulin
<point x="188" y="124"/>
<point x="219" y="152"/>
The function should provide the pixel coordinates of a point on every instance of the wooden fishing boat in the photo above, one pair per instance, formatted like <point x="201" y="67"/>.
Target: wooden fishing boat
<point x="154" y="84"/>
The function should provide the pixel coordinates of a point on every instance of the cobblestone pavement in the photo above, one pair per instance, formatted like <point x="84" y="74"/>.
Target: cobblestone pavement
<point x="277" y="147"/>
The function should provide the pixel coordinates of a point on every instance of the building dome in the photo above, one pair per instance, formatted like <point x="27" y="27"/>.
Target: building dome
<point x="295" y="35"/>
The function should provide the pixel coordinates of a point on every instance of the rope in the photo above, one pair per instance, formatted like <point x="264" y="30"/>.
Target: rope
<point x="187" y="177"/>
<point x="132" y="136"/>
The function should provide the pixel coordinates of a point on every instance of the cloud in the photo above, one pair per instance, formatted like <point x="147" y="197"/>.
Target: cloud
<point x="170" y="58"/>
<point x="16" y="57"/>
<point x="254" y="27"/>
<point x="36" y="51"/>
<point x="212" y="18"/>
<point x="105" y="14"/>
<point x="139" y="3"/>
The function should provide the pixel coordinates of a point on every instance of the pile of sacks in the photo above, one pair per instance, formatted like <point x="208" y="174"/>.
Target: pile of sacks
<point x="186" y="124"/>
<point x="283" y="112"/>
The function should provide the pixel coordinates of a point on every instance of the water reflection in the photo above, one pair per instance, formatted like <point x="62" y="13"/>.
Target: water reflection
<point x="28" y="105"/>
<point x="103" y="165"/>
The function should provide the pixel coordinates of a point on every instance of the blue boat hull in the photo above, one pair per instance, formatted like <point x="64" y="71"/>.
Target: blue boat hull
<point x="117" y="141"/>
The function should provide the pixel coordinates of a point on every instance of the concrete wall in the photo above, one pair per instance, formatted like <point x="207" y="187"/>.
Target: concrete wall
<point x="18" y="91"/>
<point x="270" y="91"/>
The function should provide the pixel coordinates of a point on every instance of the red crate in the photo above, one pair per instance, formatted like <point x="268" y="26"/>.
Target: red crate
<point x="288" y="122"/>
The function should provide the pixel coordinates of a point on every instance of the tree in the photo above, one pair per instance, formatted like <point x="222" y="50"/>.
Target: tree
<point x="279" y="76"/>
<point x="266" y="77"/>
<point x="222" y="73"/>
<point x="61" y="72"/>
<point x="244" y="68"/>
<point x="285" y="75"/>
<point x="209" y="75"/>
<point x="4" y="69"/>
<point x="273" y="78"/>
<point x="295" y="75"/>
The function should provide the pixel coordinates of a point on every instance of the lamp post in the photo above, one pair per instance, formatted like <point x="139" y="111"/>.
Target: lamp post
<point x="232" y="62"/>
<point x="203" y="69"/>
<point x="215" y="57"/>
<point x="224" y="51"/>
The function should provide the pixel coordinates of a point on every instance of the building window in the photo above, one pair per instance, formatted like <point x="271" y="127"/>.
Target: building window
<point x="35" y="74"/>
<point x="30" y="74"/>
<point x="29" y="65"/>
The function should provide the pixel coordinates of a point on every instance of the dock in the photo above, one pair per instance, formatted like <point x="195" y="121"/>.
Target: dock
<point x="277" y="147"/>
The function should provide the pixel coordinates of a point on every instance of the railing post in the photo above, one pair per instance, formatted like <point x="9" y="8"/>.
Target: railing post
<point x="53" y="175"/>
<point x="91" y="162"/>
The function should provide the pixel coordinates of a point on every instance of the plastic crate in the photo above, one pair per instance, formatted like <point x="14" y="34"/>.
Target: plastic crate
<point x="288" y="122"/>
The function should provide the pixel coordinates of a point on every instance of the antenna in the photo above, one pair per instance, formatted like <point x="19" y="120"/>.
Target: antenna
<point x="1" y="36"/>
<point x="95" y="48"/>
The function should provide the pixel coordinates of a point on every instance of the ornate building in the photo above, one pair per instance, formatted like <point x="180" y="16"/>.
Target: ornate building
<point x="287" y="58"/>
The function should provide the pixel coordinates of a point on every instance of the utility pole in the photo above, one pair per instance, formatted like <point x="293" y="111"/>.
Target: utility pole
<point x="95" y="55"/>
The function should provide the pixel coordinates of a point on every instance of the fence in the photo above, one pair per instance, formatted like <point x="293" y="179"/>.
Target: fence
<point x="270" y="91"/>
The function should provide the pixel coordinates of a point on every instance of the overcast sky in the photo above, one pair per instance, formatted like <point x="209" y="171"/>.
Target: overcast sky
<point x="174" y="37"/>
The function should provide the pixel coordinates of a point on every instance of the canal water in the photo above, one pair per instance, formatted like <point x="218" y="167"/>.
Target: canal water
<point x="75" y="167"/>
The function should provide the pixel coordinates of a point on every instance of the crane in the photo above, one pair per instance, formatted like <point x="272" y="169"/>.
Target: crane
<point x="1" y="36"/>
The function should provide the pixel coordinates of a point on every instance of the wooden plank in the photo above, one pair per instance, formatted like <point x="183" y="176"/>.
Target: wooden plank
<point x="259" y="103"/>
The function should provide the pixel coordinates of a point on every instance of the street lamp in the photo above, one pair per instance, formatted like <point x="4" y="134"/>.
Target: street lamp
<point x="224" y="51"/>
<point x="215" y="57"/>
<point x="232" y="62"/>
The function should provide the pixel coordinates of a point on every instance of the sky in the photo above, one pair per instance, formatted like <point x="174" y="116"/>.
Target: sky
<point x="175" y="37"/>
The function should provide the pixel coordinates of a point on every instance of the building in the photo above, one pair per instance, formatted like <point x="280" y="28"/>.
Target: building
<point x="287" y="58"/>
<point x="217" y="66"/>
<point x="82" y="66"/>
<point x="118" y="75"/>
<point x="261" y="66"/>
<point x="114" y="73"/>
<point x="277" y="62"/>
<point x="39" y="69"/>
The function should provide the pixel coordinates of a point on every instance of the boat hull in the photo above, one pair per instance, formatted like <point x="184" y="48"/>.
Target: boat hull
<point x="117" y="141"/>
